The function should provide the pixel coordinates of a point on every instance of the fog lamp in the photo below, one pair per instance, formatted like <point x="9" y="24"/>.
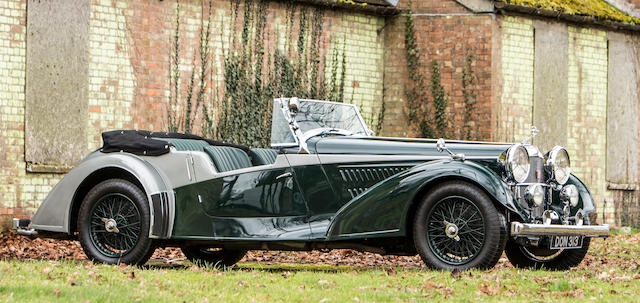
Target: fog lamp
<point x="570" y="193"/>
<point x="549" y="216"/>
<point x="535" y="194"/>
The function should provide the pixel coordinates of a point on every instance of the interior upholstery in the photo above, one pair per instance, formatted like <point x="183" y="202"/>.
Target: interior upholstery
<point x="186" y="144"/>
<point x="263" y="156"/>
<point x="226" y="158"/>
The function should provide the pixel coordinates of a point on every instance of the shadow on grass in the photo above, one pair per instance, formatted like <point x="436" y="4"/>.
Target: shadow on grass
<point x="282" y="267"/>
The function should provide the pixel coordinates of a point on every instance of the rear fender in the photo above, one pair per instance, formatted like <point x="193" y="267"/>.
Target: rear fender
<point x="55" y="212"/>
<point x="383" y="210"/>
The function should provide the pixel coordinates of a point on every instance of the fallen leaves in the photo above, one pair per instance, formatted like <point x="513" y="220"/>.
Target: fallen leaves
<point x="617" y="251"/>
<point x="487" y="290"/>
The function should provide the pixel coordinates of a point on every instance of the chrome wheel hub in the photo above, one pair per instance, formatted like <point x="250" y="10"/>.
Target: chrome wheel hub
<point x="451" y="230"/>
<point x="110" y="225"/>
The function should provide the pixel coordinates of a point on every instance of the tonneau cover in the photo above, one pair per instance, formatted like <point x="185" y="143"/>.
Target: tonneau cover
<point x="142" y="142"/>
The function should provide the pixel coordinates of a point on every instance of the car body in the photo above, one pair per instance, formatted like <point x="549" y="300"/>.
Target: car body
<point x="326" y="184"/>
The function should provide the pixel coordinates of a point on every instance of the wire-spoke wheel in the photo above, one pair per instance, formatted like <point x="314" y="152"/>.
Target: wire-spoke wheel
<point x="113" y="223"/>
<point x="456" y="226"/>
<point x="455" y="230"/>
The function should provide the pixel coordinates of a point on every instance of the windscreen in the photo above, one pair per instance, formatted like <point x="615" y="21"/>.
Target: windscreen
<point x="312" y="115"/>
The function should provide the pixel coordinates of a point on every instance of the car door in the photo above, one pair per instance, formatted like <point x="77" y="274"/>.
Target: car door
<point x="263" y="202"/>
<point x="319" y="193"/>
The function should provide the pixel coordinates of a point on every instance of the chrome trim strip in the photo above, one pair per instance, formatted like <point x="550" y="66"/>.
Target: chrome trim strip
<point x="527" y="229"/>
<point x="369" y="233"/>
<point x="359" y="158"/>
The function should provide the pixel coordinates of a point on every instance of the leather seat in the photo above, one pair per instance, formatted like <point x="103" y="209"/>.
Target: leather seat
<point x="227" y="158"/>
<point x="263" y="156"/>
<point x="186" y="144"/>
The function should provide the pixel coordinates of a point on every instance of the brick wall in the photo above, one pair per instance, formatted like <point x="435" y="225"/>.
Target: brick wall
<point x="446" y="32"/>
<point x="129" y="62"/>
<point x="587" y="111"/>
<point x="128" y="81"/>
<point x="587" y="99"/>
<point x="19" y="192"/>
<point x="514" y="114"/>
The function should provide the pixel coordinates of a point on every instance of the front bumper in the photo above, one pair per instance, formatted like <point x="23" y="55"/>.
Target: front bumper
<point x="21" y="226"/>
<point x="528" y="229"/>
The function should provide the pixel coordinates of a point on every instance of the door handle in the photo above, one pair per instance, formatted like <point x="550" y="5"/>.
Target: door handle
<point x="285" y="175"/>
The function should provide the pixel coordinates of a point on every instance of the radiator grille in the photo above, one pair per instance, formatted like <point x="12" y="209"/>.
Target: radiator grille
<point x="536" y="172"/>
<point x="358" y="179"/>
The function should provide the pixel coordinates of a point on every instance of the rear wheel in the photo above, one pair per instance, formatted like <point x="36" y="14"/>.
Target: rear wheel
<point x="456" y="226"/>
<point x="216" y="257"/>
<point x="533" y="257"/>
<point x="113" y="223"/>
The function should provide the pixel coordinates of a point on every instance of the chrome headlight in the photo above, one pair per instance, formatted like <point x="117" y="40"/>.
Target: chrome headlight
<point x="557" y="164"/>
<point x="570" y="193"/>
<point x="535" y="194"/>
<point x="516" y="163"/>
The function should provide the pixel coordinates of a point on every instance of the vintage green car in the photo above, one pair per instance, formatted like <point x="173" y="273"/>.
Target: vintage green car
<point x="327" y="184"/>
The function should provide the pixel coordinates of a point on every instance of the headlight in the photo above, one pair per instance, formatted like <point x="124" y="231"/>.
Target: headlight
<point x="535" y="194"/>
<point x="516" y="163"/>
<point x="570" y="193"/>
<point x="557" y="164"/>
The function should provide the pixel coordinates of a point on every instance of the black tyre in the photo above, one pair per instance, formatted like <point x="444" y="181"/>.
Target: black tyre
<point x="456" y="226"/>
<point x="113" y="224"/>
<point x="539" y="258"/>
<point x="215" y="257"/>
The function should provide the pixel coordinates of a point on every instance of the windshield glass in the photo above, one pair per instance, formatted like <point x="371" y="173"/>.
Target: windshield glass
<point x="312" y="114"/>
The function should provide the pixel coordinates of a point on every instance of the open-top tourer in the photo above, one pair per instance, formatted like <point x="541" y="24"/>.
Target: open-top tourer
<point x="326" y="183"/>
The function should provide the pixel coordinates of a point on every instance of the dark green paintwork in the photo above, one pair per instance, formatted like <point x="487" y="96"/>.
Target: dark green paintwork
<point x="385" y="206"/>
<point x="343" y="201"/>
<point x="249" y="205"/>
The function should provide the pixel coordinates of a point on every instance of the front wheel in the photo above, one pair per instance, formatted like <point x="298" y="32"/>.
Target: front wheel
<point x="216" y="257"/>
<point x="113" y="224"/>
<point x="456" y="226"/>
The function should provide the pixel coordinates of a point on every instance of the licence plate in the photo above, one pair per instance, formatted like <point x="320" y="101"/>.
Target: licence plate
<point x="566" y="242"/>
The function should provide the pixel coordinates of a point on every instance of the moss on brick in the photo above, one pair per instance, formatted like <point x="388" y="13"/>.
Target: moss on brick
<point x="598" y="9"/>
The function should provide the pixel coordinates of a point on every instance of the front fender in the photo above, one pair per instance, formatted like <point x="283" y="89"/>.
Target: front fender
<point x="383" y="210"/>
<point x="586" y="200"/>
<point x="54" y="214"/>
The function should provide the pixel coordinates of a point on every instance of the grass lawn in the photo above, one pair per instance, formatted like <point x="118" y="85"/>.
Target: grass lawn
<point x="611" y="273"/>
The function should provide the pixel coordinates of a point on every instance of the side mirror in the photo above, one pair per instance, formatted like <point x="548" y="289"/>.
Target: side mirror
<point x="294" y="105"/>
<point x="440" y="146"/>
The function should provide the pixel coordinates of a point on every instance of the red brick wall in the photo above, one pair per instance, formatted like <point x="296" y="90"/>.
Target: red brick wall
<point x="448" y="40"/>
<point x="128" y="80"/>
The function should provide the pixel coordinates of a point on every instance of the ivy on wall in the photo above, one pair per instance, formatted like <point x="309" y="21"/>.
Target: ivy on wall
<point x="469" y="96"/>
<point x="427" y="104"/>
<point x="239" y="110"/>
<point x="184" y="106"/>
<point x="440" y="102"/>
<point x="255" y="75"/>
<point x="417" y="108"/>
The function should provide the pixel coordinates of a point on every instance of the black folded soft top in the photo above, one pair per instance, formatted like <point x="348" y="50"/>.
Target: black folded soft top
<point x="143" y="142"/>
